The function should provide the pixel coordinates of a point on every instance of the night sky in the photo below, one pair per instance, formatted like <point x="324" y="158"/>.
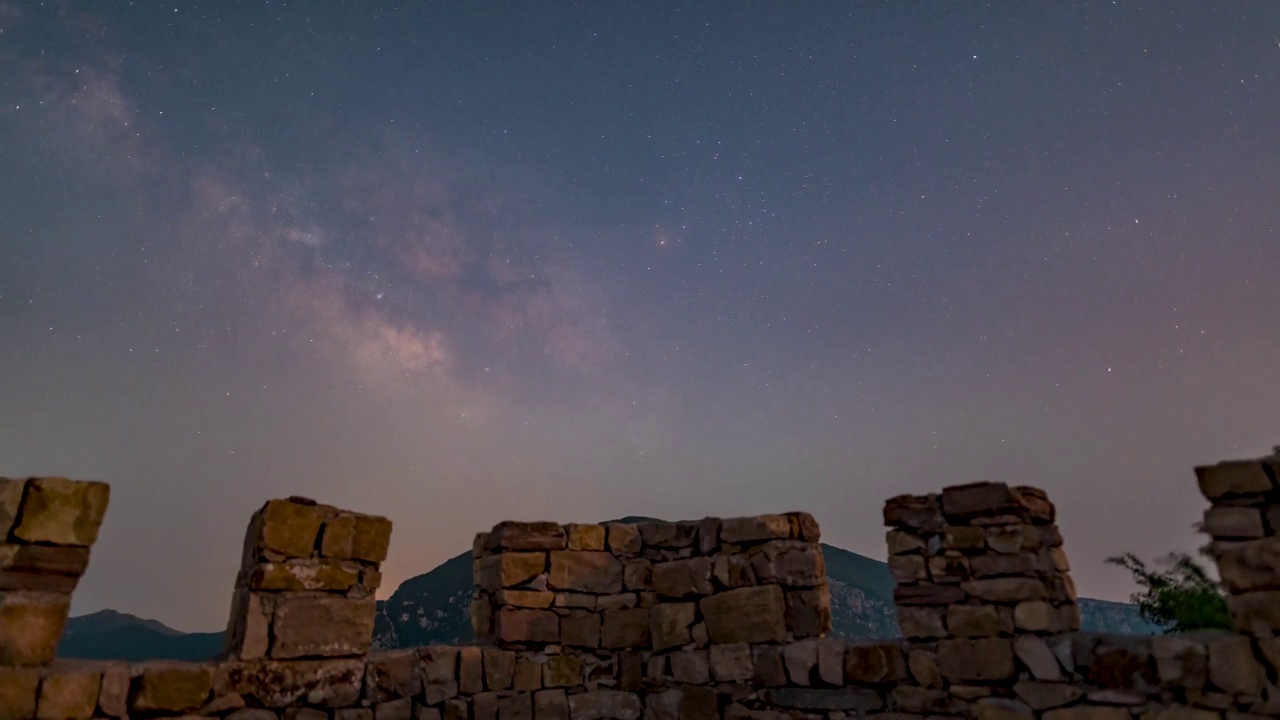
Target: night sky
<point x="462" y="262"/>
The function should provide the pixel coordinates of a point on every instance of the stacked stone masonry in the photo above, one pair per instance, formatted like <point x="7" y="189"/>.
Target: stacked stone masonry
<point x="707" y="620"/>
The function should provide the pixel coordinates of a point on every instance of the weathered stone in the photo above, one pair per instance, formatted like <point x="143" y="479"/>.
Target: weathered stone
<point x="1046" y="695"/>
<point x="874" y="663"/>
<point x="61" y="511"/>
<point x="669" y="535"/>
<point x="804" y="527"/>
<point x="922" y="622"/>
<point x="1233" y="478"/>
<point x="637" y="574"/>
<point x="801" y="659"/>
<point x="789" y="563"/>
<point x="1234" y="523"/>
<point x="670" y="624"/>
<point x="973" y="621"/>
<point x="481" y="611"/>
<point x="750" y="615"/>
<point x="31" y="624"/>
<point x="908" y="698"/>
<point x="733" y="570"/>
<point x="484" y="706"/>
<point x="439" y="667"/>
<point x="398" y="709"/>
<point x="1256" y="613"/>
<point x="963" y="537"/>
<point x="732" y="662"/>
<point x="1087" y="712"/>
<point x="605" y="705"/>
<point x="18" y="686"/>
<point x="1011" y="539"/>
<point x="470" y="670"/>
<point x="1041" y="511"/>
<point x="699" y="703"/>
<point x="985" y="498"/>
<point x="1248" y="565"/>
<point x="498" y="668"/>
<point x="1232" y="667"/>
<point x="683" y="578"/>
<point x="977" y="660"/>
<point x="284" y="527"/>
<point x="562" y="671"/>
<point x="263" y="714"/>
<point x="585" y="571"/>
<point x="580" y="628"/>
<point x="901" y="542"/>
<point x="392" y="674"/>
<point x="1035" y="655"/>
<point x="623" y="539"/>
<point x="1006" y="590"/>
<point x="307" y="626"/>
<point x="535" y="599"/>
<point x="990" y="708"/>
<point x="859" y="700"/>
<point x="303" y="575"/>
<point x="1182" y="712"/>
<point x="944" y="570"/>
<point x="454" y="709"/>
<point x="1122" y="665"/>
<point x="113" y="695"/>
<point x="691" y="667"/>
<point x="527" y="626"/>
<point x="585" y="537"/>
<point x="625" y="628"/>
<point x="550" y="705"/>
<point x="830" y="660"/>
<point x="1180" y="662"/>
<point x="528" y="675"/>
<point x="54" y="560"/>
<point x="770" y="668"/>
<point x="513" y="535"/>
<point x="508" y="569"/>
<point x="616" y="602"/>
<point x="915" y="513"/>
<point x="171" y="687"/>
<point x="985" y="566"/>
<point x="924" y="668"/>
<point x="1116" y="696"/>
<point x="516" y="707"/>
<point x="927" y="594"/>
<point x="11" y="491"/>
<point x="331" y="682"/>
<point x="755" y="529"/>
<point x="1037" y="616"/>
<point x="808" y="612"/>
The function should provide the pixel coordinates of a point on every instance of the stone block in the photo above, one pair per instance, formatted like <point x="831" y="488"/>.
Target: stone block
<point x="170" y="687"/>
<point x="967" y="621"/>
<point x="288" y="528"/>
<point x="580" y="628"/>
<point x="874" y="663"/>
<point x="623" y="539"/>
<point x="789" y="563"/>
<point x="11" y="492"/>
<point x="535" y="599"/>
<point x="69" y="690"/>
<point x="915" y="513"/>
<point x="392" y="674"/>
<point x="801" y="659"/>
<point x="976" y="660"/>
<point x="990" y="708"/>
<point x="585" y="571"/>
<point x="398" y="709"/>
<point x="830" y="660"/>
<point x="901" y="542"/>
<point x="985" y="566"/>
<point x="59" y="511"/>
<point x="311" y="626"/>
<point x="1234" y="523"/>
<point x="731" y="662"/>
<point x="550" y="705"/>
<point x="31" y="624"/>
<point x="770" y="667"/>
<point x="528" y="675"/>
<point x="670" y="624"/>
<point x="979" y="499"/>
<point x="1180" y="662"/>
<point x="1087" y="712"/>
<point x="499" y="667"/>
<point x="691" y="667"/>
<point x="1256" y="613"/>
<point x="1036" y="656"/>
<point x="1248" y="565"/>
<point x="516" y="707"/>
<point x="923" y="666"/>
<point x="683" y="578"/>
<point x="305" y="575"/>
<point x="1122" y="664"/>
<point x="699" y="703"/>
<point x="669" y="535"/>
<point x="625" y="628"/>
<point x="1046" y="695"/>
<point x="1006" y="590"/>
<point x="922" y="622"/>
<point x="1232" y="666"/>
<point x="18" y="687"/>
<point x="750" y="615"/>
<point x="927" y="594"/>
<point x="733" y="570"/>
<point x="804" y="527"/>
<point x="527" y="626"/>
<point x="57" y="560"/>
<point x="513" y="535"/>
<point x="605" y="705"/>
<point x="562" y="671"/>
<point x="1233" y="478"/>
<point x="808" y="612"/>
<point x="113" y="696"/>
<point x="755" y="529"/>
<point x="330" y="683"/>
<point x="585" y="537"/>
<point x="508" y="569"/>
<point x="859" y="701"/>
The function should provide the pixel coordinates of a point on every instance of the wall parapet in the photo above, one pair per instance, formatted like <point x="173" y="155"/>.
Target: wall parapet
<point x="718" y="619"/>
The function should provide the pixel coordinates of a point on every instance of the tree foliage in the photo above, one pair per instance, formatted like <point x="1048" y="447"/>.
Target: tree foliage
<point x="1179" y="598"/>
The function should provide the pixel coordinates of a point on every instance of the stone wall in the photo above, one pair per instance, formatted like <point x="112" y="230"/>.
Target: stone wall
<point x="715" y="619"/>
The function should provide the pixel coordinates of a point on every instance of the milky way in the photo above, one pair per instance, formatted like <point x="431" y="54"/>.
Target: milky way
<point x="456" y="264"/>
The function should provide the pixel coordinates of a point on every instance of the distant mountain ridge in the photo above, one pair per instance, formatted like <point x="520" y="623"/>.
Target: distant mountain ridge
<point x="434" y="609"/>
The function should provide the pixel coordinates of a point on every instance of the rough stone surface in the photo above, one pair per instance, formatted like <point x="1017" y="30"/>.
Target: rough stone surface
<point x="750" y="615"/>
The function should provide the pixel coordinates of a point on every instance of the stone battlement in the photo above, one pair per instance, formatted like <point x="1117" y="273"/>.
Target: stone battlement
<point x="719" y="618"/>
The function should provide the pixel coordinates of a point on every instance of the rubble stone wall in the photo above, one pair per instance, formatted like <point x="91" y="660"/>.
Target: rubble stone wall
<point x="713" y="619"/>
